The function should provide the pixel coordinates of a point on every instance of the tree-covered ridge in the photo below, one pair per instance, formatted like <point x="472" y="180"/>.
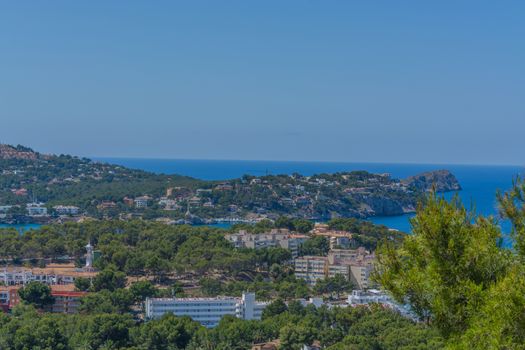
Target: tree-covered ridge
<point x="65" y="179"/>
<point x="105" y="190"/>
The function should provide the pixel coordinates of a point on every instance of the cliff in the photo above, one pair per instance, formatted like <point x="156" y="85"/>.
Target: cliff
<point x="441" y="180"/>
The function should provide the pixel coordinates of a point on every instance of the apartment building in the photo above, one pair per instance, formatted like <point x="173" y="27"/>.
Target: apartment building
<point x="355" y="265"/>
<point x="142" y="202"/>
<point x="36" y="209"/>
<point x="207" y="311"/>
<point x="275" y="238"/>
<point x="311" y="268"/>
<point x="52" y="274"/>
<point x="66" y="300"/>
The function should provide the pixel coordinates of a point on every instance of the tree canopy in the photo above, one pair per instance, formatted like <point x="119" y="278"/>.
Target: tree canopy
<point x="455" y="273"/>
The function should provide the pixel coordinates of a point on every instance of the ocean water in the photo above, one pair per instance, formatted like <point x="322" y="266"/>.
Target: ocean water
<point x="479" y="182"/>
<point x="21" y="227"/>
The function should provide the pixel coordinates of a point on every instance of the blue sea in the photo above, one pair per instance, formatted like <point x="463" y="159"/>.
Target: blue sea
<point x="21" y="227"/>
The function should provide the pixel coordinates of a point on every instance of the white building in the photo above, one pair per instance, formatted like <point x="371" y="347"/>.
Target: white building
<point x="207" y="311"/>
<point x="5" y="208"/>
<point x="375" y="296"/>
<point x="36" y="209"/>
<point x="55" y="275"/>
<point x="142" y="202"/>
<point x="371" y="296"/>
<point x="275" y="238"/>
<point x="66" y="210"/>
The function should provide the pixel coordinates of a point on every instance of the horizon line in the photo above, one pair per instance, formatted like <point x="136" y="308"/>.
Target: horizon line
<point x="300" y="161"/>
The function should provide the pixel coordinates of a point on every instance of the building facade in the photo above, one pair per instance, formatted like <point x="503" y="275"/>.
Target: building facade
<point x="36" y="209"/>
<point x="53" y="274"/>
<point x="355" y="265"/>
<point x="207" y="311"/>
<point x="275" y="238"/>
<point x="66" y="210"/>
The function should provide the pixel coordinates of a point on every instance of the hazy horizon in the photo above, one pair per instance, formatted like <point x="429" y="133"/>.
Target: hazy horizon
<point x="385" y="82"/>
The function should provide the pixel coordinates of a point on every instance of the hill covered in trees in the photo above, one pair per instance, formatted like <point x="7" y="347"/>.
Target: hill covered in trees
<point x="105" y="190"/>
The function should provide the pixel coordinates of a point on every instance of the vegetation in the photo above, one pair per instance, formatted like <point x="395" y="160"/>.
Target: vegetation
<point x="37" y="294"/>
<point x="107" y="191"/>
<point x="457" y="276"/>
<point x="349" y="328"/>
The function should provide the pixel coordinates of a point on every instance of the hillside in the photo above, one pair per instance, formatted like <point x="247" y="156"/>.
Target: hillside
<point x="105" y="190"/>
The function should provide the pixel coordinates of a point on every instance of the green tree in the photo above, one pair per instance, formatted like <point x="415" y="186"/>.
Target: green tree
<point x="82" y="284"/>
<point x="276" y="307"/>
<point x="37" y="294"/>
<point x="167" y="333"/>
<point x="210" y="286"/>
<point x="109" y="279"/>
<point x="318" y="245"/>
<point x="333" y="285"/>
<point x="142" y="290"/>
<point x="303" y="225"/>
<point x="444" y="268"/>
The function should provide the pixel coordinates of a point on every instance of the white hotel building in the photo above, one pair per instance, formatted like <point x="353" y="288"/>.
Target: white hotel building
<point x="207" y="311"/>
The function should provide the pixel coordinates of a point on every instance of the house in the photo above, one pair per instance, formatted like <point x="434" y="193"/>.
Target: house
<point x="19" y="192"/>
<point x="128" y="201"/>
<point x="105" y="205"/>
<point x="36" y="209"/>
<point x="142" y="202"/>
<point x="194" y="201"/>
<point x="66" y="299"/>
<point x="224" y="187"/>
<point x="272" y="345"/>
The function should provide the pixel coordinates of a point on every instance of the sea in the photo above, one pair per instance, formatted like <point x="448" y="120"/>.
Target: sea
<point x="480" y="183"/>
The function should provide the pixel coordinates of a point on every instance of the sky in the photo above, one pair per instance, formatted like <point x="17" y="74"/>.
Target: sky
<point x="363" y="81"/>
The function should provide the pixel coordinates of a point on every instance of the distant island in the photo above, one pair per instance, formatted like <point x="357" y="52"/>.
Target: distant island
<point x="36" y="187"/>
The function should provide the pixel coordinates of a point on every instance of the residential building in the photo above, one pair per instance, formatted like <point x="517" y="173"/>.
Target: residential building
<point x="169" y="204"/>
<point x="207" y="311"/>
<point x="272" y="345"/>
<point x="142" y="202"/>
<point x="311" y="268"/>
<point x="355" y="265"/>
<point x="374" y="296"/>
<point x="360" y="275"/>
<point x="66" y="300"/>
<point x="361" y="297"/>
<point x="105" y="205"/>
<point x="52" y="274"/>
<point x="36" y="209"/>
<point x="275" y="238"/>
<point x="5" y="208"/>
<point x="66" y="210"/>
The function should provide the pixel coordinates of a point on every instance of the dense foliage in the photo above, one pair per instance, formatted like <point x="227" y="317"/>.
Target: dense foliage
<point x="339" y="328"/>
<point x="105" y="190"/>
<point x="455" y="273"/>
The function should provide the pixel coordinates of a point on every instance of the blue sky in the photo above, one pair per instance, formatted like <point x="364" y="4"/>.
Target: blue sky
<point x="374" y="81"/>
